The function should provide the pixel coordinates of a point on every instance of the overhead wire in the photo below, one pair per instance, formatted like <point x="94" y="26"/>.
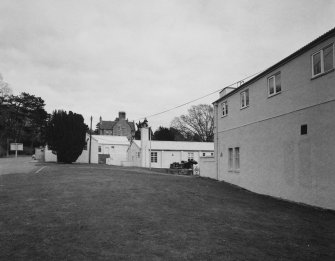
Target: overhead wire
<point x="209" y="94"/>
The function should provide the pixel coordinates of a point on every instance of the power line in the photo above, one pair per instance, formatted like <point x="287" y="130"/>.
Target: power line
<point x="181" y="105"/>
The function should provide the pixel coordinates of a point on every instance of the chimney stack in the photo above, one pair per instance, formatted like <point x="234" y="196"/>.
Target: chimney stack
<point x="122" y="115"/>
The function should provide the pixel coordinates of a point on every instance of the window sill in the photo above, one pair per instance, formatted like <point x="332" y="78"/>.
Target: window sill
<point x="272" y="95"/>
<point x="322" y="74"/>
<point x="234" y="171"/>
<point x="245" y="107"/>
<point x="223" y="116"/>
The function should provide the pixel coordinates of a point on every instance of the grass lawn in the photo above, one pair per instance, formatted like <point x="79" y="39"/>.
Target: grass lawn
<point x="78" y="212"/>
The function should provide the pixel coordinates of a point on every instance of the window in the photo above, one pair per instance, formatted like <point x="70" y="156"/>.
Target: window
<point x="203" y="154"/>
<point x="230" y="158"/>
<point x="154" y="157"/>
<point x="323" y="60"/>
<point x="303" y="129"/>
<point x="224" y="106"/>
<point x="237" y="158"/>
<point x="234" y="159"/>
<point x="212" y="153"/>
<point x="190" y="156"/>
<point x="138" y="154"/>
<point x="244" y="99"/>
<point x="85" y="146"/>
<point x="99" y="149"/>
<point x="274" y="84"/>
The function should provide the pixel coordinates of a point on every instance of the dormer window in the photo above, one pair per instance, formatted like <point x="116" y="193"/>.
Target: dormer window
<point x="323" y="60"/>
<point x="274" y="84"/>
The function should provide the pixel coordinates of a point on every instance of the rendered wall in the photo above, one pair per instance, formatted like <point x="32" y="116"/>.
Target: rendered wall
<point x="207" y="166"/>
<point x="275" y="159"/>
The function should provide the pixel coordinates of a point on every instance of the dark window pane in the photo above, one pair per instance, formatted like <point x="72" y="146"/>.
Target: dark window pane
<point x="316" y="63"/>
<point x="271" y="85"/>
<point x="247" y="98"/>
<point x="328" y="58"/>
<point x="278" y="82"/>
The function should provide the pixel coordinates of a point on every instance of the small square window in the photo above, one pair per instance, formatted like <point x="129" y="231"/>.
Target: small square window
<point x="154" y="157"/>
<point x="303" y="129"/>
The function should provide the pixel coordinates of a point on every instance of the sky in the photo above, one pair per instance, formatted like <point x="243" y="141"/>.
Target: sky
<point x="99" y="57"/>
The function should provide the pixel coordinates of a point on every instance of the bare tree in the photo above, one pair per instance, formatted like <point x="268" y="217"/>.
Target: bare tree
<point x="199" y="122"/>
<point x="5" y="90"/>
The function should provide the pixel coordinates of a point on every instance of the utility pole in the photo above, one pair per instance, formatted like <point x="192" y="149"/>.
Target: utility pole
<point x="150" y="148"/>
<point x="89" y="151"/>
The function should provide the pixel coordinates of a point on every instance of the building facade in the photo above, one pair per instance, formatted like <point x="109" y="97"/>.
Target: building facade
<point x="160" y="154"/>
<point x="105" y="149"/>
<point x="275" y="134"/>
<point x="119" y="127"/>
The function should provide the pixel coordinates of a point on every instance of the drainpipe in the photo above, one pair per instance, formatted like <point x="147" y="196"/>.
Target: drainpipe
<point x="89" y="153"/>
<point x="150" y="148"/>
<point x="217" y="140"/>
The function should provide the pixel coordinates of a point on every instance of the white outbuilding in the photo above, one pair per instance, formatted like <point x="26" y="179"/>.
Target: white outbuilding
<point x="105" y="149"/>
<point x="160" y="154"/>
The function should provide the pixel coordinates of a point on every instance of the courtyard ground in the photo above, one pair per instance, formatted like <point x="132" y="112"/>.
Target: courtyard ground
<point x="97" y="212"/>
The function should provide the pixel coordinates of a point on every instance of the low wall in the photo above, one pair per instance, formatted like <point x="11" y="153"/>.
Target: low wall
<point x="207" y="167"/>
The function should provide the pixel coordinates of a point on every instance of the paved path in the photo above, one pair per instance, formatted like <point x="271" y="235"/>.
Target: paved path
<point x="17" y="165"/>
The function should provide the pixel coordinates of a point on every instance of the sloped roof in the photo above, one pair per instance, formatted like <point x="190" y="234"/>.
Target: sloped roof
<point x="179" y="145"/>
<point x="132" y="125"/>
<point x="108" y="139"/>
<point x="108" y="125"/>
<point x="289" y="58"/>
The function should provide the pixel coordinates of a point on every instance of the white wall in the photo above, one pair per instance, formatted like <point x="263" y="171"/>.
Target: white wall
<point x="207" y="166"/>
<point x="278" y="161"/>
<point x="275" y="159"/>
<point x="118" y="153"/>
<point x="134" y="156"/>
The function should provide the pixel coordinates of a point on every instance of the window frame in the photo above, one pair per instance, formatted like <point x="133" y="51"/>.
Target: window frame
<point x="244" y="96"/>
<point x="234" y="159"/>
<point x="224" y="108"/>
<point x="154" y="157"/>
<point x="275" y="77"/>
<point x="190" y="155"/>
<point x="322" y="61"/>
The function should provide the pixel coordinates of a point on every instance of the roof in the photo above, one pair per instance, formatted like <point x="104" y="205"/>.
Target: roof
<point x="302" y="50"/>
<point x="108" y="139"/>
<point x="179" y="145"/>
<point x="108" y="125"/>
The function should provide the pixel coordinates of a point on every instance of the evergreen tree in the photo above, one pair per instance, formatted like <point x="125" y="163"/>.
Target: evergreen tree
<point x="66" y="135"/>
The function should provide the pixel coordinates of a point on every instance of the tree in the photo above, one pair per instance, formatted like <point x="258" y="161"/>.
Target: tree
<point x="22" y="119"/>
<point x="169" y="134"/>
<point x="66" y="135"/>
<point x="163" y="133"/>
<point x="198" y="124"/>
<point x="139" y="125"/>
<point x="5" y="90"/>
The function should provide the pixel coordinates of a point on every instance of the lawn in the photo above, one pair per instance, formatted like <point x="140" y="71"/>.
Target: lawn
<point x="82" y="212"/>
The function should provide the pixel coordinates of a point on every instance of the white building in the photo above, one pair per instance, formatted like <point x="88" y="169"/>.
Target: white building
<point x="160" y="154"/>
<point x="106" y="149"/>
<point x="275" y="134"/>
